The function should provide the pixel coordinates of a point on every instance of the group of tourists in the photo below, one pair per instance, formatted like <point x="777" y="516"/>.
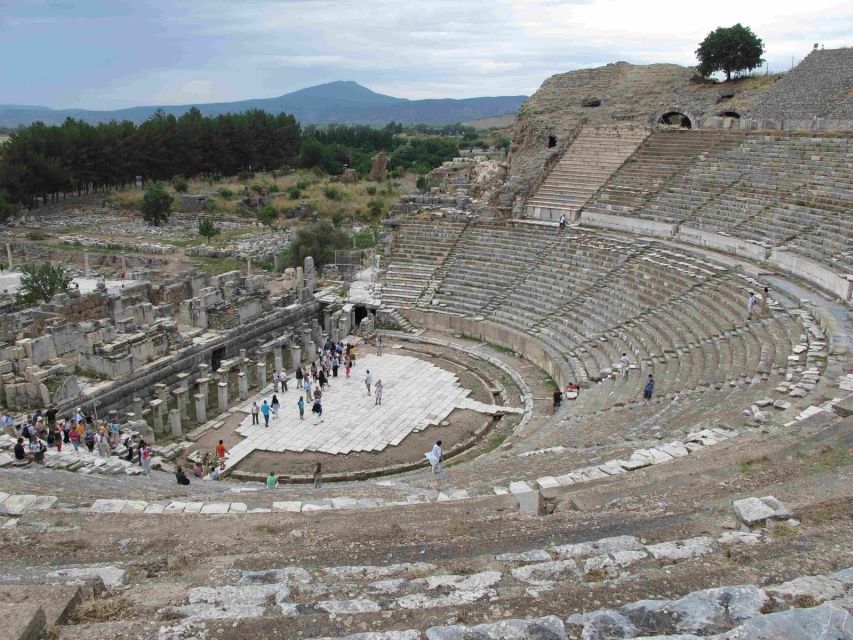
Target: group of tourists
<point x="757" y="307"/>
<point x="44" y="430"/>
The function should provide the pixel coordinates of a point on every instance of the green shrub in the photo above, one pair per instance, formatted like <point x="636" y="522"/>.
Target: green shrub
<point x="375" y="208"/>
<point x="225" y="193"/>
<point x="302" y="185"/>
<point x="333" y="193"/>
<point x="156" y="205"/>
<point x="180" y="184"/>
<point x="36" y="234"/>
<point x="371" y="190"/>
<point x="294" y="193"/>
<point x="267" y="215"/>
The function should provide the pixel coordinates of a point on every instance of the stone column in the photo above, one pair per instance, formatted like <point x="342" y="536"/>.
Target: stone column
<point x="317" y="331"/>
<point x="278" y="358"/>
<point x="312" y="350"/>
<point x="295" y="356"/>
<point x="157" y="414"/>
<point x="310" y="274"/>
<point x="183" y="381"/>
<point x="175" y="422"/>
<point x="201" y="408"/>
<point x="162" y="392"/>
<point x="276" y="260"/>
<point x="306" y="341"/>
<point x="203" y="370"/>
<point x="137" y="407"/>
<point x="300" y="278"/>
<point x="222" y="389"/>
<point x="203" y="386"/>
<point x="86" y="264"/>
<point x="181" y="402"/>
<point x="262" y="375"/>
<point x="249" y="266"/>
<point x="243" y="386"/>
<point x="9" y="255"/>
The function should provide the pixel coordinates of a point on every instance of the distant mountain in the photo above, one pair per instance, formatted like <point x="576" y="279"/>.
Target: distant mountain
<point x="343" y="102"/>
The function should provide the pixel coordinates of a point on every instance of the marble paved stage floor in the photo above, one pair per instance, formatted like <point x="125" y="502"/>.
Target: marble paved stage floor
<point x="417" y="394"/>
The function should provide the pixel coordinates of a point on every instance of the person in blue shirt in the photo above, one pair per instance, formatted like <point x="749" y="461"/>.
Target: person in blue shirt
<point x="265" y="409"/>
<point x="649" y="389"/>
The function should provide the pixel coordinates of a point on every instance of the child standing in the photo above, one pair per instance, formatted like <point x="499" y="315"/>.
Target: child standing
<point x="301" y="405"/>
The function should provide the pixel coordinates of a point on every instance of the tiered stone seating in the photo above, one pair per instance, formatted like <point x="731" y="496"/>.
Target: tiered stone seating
<point x="419" y="249"/>
<point x="488" y="263"/>
<point x="770" y="190"/>
<point x="660" y="157"/>
<point x="584" y="167"/>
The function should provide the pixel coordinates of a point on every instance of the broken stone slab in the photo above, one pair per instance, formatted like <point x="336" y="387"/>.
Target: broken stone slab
<point x="611" y="468"/>
<point x="544" y="572"/>
<point x="698" y="614"/>
<point x="681" y="549"/>
<point x="808" y="590"/>
<point x="754" y="511"/>
<point x="674" y="449"/>
<point x="546" y="628"/>
<point x="22" y="620"/>
<point x="739" y="537"/>
<point x="824" y="621"/>
<point x="534" y="555"/>
<point x="110" y="575"/>
<point x="214" y="507"/>
<point x="15" y="505"/>
<point x="408" y="634"/>
<point x="288" y="505"/>
<point x="547" y="482"/>
<point x="348" y="606"/>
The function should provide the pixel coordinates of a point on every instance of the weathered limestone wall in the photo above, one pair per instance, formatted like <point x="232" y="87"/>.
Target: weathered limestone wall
<point x="525" y="345"/>
<point x="726" y="244"/>
<point x="628" y="224"/>
<point x="248" y="336"/>
<point x="812" y="271"/>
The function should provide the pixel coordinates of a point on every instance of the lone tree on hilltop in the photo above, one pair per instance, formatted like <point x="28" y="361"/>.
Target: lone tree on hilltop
<point x="207" y="229"/>
<point x="156" y="205"/>
<point x="39" y="283"/>
<point x="731" y="50"/>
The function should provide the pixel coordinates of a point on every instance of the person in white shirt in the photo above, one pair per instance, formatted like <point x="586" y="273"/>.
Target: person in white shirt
<point x="624" y="364"/>
<point x="368" y="380"/>
<point x="434" y="457"/>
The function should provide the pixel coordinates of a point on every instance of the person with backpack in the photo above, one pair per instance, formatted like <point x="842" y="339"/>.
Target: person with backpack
<point x="317" y="410"/>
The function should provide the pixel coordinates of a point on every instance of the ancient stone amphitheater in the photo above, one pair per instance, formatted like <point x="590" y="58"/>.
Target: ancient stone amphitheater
<point x="720" y="508"/>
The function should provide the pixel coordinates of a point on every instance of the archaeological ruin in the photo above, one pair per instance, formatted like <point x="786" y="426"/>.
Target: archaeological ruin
<point x="631" y="335"/>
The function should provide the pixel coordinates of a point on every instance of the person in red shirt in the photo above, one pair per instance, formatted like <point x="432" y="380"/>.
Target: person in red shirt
<point x="221" y="451"/>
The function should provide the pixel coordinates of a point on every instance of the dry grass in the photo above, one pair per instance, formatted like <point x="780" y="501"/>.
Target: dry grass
<point x="751" y="466"/>
<point x="107" y="609"/>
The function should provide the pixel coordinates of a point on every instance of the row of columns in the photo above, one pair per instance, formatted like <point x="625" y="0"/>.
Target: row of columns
<point x="179" y="416"/>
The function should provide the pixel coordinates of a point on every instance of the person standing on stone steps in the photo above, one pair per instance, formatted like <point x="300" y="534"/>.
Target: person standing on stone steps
<point x="317" y="411"/>
<point x="255" y="411"/>
<point x="301" y="404"/>
<point x="274" y="406"/>
<point x="562" y="221"/>
<point x="378" y="392"/>
<point x="265" y="409"/>
<point x="368" y="380"/>
<point x="378" y="344"/>
<point x="751" y="301"/>
<point x="434" y="457"/>
<point x="318" y="475"/>
<point x="649" y="389"/>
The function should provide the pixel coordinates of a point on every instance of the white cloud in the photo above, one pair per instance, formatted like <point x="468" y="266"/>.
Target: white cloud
<point x="436" y="48"/>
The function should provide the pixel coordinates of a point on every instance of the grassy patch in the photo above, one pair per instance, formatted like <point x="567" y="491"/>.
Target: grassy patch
<point x="831" y="458"/>
<point x="107" y="609"/>
<point x="752" y="466"/>
<point x="495" y="442"/>
<point x="216" y="266"/>
<point x="501" y="349"/>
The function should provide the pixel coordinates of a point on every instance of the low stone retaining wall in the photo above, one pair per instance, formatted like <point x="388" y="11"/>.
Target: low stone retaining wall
<point x="628" y="224"/>
<point x="812" y="271"/>
<point x="726" y="244"/>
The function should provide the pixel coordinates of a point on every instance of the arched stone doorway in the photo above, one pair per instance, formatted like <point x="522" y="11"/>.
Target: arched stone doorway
<point x="675" y="119"/>
<point x="734" y="115"/>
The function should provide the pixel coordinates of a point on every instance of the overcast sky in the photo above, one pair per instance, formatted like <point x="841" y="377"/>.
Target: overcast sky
<point x="105" y="54"/>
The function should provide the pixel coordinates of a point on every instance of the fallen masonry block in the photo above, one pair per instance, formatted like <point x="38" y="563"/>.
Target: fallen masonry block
<point x="24" y="621"/>
<point x="753" y="511"/>
<point x="681" y="549"/>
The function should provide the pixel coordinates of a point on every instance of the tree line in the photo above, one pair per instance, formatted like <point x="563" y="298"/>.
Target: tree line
<point x="75" y="157"/>
<point x="49" y="162"/>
